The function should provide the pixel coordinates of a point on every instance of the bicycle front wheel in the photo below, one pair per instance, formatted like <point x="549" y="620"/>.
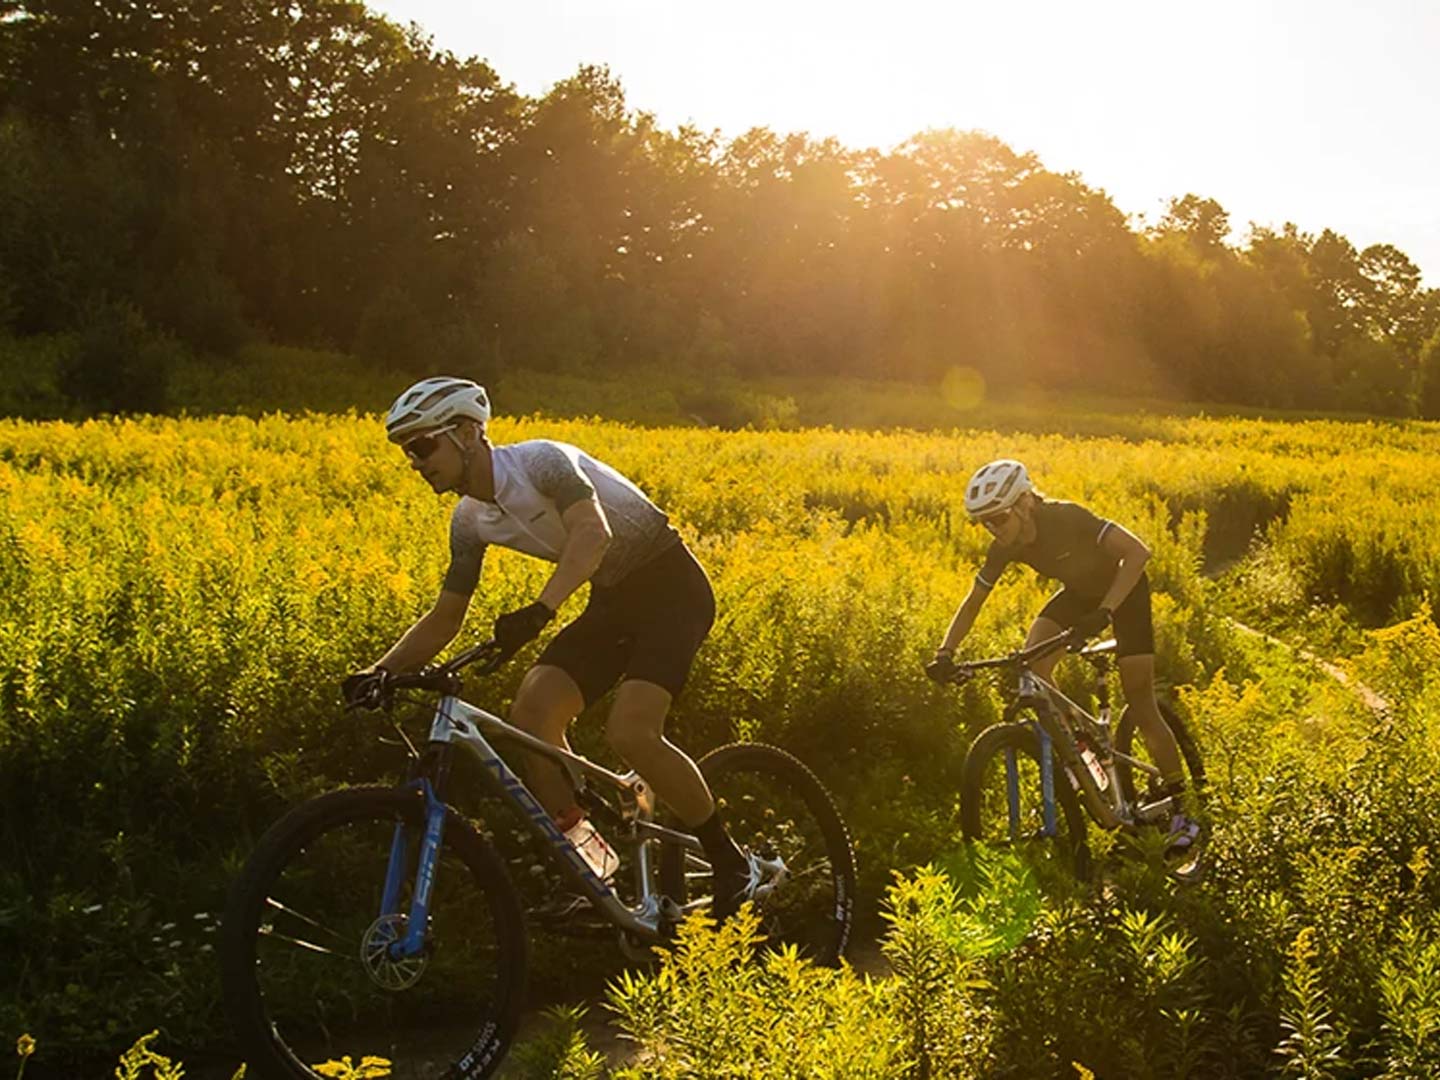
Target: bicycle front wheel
<point x="778" y="810"/>
<point x="1002" y="801"/>
<point x="304" y="967"/>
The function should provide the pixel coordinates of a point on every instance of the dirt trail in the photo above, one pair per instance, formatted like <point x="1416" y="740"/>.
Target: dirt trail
<point x="1372" y="700"/>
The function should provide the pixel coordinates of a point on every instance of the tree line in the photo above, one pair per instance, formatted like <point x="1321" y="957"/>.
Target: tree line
<point x="181" y="178"/>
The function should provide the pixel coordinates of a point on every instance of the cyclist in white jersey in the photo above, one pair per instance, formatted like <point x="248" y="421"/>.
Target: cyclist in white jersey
<point x="649" y="609"/>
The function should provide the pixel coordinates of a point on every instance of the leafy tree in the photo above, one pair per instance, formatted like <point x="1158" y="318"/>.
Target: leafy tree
<point x="314" y="174"/>
<point x="117" y="365"/>
<point x="1429" y="389"/>
<point x="1398" y="310"/>
<point x="1203" y="222"/>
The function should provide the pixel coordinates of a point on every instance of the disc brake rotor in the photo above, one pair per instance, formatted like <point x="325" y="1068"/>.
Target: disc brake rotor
<point x="386" y="969"/>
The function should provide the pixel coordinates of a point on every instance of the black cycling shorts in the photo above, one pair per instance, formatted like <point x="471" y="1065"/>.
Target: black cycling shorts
<point x="649" y="625"/>
<point x="1134" y="629"/>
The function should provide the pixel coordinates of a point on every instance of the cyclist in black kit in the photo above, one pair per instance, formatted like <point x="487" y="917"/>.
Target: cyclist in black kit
<point x="1101" y="567"/>
<point x="649" y="609"/>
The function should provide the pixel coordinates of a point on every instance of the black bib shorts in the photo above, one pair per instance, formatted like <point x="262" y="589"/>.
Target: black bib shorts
<point x="1134" y="628"/>
<point x="649" y="626"/>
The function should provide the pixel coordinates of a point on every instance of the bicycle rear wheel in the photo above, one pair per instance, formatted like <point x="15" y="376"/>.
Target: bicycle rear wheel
<point x="304" y="980"/>
<point x="1002" y="804"/>
<point x="777" y="809"/>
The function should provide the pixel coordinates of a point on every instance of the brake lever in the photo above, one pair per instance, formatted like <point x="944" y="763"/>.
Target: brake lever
<point x="382" y="697"/>
<point x="369" y="705"/>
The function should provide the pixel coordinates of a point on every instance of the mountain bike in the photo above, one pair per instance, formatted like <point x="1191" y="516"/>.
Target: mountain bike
<point x="380" y="921"/>
<point x="1032" y="780"/>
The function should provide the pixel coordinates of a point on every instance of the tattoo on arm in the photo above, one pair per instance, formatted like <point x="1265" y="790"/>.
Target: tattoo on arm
<point x="467" y="555"/>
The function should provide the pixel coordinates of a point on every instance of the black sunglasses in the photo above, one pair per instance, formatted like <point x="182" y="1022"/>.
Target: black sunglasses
<point x="422" y="446"/>
<point x="997" y="518"/>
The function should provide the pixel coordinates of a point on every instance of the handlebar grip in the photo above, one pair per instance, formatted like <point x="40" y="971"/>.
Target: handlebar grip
<point x="442" y="678"/>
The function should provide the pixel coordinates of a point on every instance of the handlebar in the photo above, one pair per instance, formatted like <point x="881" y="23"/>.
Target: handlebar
<point x="441" y="678"/>
<point x="488" y="655"/>
<point x="968" y="669"/>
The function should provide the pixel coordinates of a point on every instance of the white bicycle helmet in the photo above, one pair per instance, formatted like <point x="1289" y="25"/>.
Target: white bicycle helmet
<point x="433" y="403"/>
<point x="995" y="487"/>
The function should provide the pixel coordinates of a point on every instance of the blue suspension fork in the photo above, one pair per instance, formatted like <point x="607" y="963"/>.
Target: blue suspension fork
<point x="397" y="870"/>
<point x="1047" y="783"/>
<point x="1047" y="780"/>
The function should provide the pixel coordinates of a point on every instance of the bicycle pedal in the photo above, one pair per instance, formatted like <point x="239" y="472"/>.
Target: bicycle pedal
<point x="1157" y="812"/>
<point x="1189" y="872"/>
<point x="1184" y="835"/>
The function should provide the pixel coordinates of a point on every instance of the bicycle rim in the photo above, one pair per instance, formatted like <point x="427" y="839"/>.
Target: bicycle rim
<point x="306" y="974"/>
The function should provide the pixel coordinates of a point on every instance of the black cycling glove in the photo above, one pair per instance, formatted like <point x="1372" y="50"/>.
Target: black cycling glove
<point x="942" y="669"/>
<point x="364" y="689"/>
<point x="516" y="629"/>
<point x="1092" y="623"/>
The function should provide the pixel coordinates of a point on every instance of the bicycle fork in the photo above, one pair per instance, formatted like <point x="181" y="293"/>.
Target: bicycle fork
<point x="1047" y="785"/>
<point x="412" y="943"/>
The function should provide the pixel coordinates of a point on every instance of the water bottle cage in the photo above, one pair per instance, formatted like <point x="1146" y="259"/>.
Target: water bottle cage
<point x="599" y="809"/>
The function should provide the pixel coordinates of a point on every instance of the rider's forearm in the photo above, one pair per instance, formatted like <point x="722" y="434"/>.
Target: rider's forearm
<point x="420" y="644"/>
<point x="959" y="626"/>
<point x="579" y="559"/>
<point x="962" y="622"/>
<point x="1125" y="578"/>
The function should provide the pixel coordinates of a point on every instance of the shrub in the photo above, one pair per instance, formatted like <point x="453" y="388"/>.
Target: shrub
<point x="710" y="1013"/>
<point x="117" y="364"/>
<point x="30" y="369"/>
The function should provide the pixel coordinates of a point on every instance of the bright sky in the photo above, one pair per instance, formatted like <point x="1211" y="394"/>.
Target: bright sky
<point x="1321" y="112"/>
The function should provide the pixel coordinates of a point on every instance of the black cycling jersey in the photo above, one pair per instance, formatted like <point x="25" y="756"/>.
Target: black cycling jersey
<point x="1066" y="548"/>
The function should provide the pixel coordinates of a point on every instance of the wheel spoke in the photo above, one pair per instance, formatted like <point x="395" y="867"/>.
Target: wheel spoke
<point x="270" y="932"/>
<point x="1002" y="804"/>
<point x="272" y="902"/>
<point x="774" y="807"/>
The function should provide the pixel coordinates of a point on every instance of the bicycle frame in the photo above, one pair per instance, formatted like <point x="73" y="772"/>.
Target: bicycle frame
<point x="1056" y="719"/>
<point x="458" y="723"/>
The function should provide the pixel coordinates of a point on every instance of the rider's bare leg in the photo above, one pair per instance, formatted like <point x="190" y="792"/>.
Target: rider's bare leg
<point x="636" y="730"/>
<point x="1137" y="676"/>
<point x="1040" y="630"/>
<point x="546" y="702"/>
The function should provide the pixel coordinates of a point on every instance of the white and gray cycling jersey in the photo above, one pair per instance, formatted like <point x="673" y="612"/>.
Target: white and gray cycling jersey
<point x="535" y="483"/>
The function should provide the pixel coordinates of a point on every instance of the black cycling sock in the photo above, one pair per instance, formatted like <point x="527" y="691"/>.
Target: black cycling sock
<point x="722" y="850"/>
